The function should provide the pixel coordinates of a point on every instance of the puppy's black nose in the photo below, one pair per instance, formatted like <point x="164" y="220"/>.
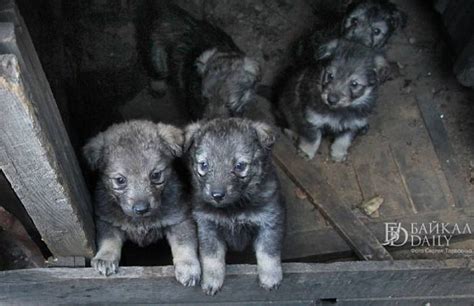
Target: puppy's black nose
<point x="333" y="98"/>
<point x="218" y="195"/>
<point x="141" y="208"/>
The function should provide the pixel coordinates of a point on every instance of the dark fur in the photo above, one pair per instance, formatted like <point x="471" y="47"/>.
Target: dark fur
<point x="134" y="151"/>
<point x="359" y="23"/>
<point x="203" y="62"/>
<point x="251" y="212"/>
<point x="305" y="103"/>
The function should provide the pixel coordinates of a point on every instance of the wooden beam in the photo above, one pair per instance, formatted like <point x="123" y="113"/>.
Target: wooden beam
<point x="439" y="137"/>
<point x="303" y="284"/>
<point x="335" y="246"/>
<point x="38" y="160"/>
<point x="322" y="195"/>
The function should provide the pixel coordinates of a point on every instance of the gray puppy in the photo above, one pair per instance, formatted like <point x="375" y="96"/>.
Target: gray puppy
<point x="369" y="22"/>
<point x="336" y="94"/>
<point x="139" y="196"/>
<point x="237" y="200"/>
<point x="203" y="62"/>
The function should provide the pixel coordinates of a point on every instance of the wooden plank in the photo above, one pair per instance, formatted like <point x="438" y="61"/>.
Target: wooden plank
<point x="302" y="284"/>
<point x="399" y="123"/>
<point x="378" y="175"/>
<point x="331" y="245"/>
<point x="444" y="150"/>
<point x="38" y="161"/>
<point x="365" y="245"/>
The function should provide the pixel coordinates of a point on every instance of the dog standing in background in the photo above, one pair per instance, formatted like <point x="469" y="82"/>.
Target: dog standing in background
<point x="236" y="199"/>
<point x="139" y="196"/>
<point x="369" y="22"/>
<point x="335" y="94"/>
<point x="202" y="62"/>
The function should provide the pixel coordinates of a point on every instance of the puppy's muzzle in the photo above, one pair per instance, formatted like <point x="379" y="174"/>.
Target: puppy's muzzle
<point x="141" y="208"/>
<point x="333" y="99"/>
<point x="218" y="195"/>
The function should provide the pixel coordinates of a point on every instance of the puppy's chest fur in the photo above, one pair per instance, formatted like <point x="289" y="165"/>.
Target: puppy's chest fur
<point x="238" y="229"/>
<point x="334" y="122"/>
<point x="143" y="234"/>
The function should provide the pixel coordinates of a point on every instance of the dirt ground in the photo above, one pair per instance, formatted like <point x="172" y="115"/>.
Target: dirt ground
<point x="89" y="52"/>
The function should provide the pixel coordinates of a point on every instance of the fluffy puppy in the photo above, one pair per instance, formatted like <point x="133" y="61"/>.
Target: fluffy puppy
<point x="203" y="62"/>
<point x="236" y="199"/>
<point x="369" y="22"/>
<point x="139" y="196"/>
<point x="336" y="94"/>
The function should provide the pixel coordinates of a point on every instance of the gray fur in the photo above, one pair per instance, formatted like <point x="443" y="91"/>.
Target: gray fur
<point x="251" y="212"/>
<point x="134" y="161"/>
<point x="369" y="22"/>
<point x="203" y="62"/>
<point x="306" y="100"/>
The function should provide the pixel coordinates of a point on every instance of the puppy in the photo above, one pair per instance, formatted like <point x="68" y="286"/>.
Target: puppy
<point x="236" y="199"/>
<point x="139" y="196"/>
<point x="202" y="62"/>
<point x="335" y="94"/>
<point x="369" y="22"/>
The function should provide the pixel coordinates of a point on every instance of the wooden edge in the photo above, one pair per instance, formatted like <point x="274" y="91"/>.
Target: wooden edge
<point x="321" y="194"/>
<point x="139" y="272"/>
<point x="302" y="284"/>
<point x="442" y="146"/>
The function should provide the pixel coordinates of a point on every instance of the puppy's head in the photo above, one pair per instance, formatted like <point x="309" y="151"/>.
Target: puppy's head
<point x="350" y="73"/>
<point x="134" y="161"/>
<point x="228" y="158"/>
<point x="228" y="78"/>
<point x="372" y="22"/>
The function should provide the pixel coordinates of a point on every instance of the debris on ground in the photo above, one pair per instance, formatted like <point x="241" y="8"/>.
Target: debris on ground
<point x="371" y="206"/>
<point x="300" y="194"/>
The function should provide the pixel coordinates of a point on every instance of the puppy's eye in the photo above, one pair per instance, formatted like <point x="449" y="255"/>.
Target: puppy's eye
<point x="156" y="177"/>
<point x="354" y="21"/>
<point x="329" y="77"/>
<point x="377" y="31"/>
<point x="203" y="167"/>
<point x="120" y="182"/>
<point x="240" y="167"/>
<point x="354" y="84"/>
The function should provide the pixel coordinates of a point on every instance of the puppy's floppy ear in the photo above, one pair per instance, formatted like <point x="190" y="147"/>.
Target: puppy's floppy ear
<point x="93" y="151"/>
<point x="203" y="60"/>
<point x="265" y="133"/>
<point x="382" y="68"/>
<point x="189" y="134"/>
<point x="326" y="50"/>
<point x="173" y="137"/>
<point x="398" y="19"/>
<point x="252" y="67"/>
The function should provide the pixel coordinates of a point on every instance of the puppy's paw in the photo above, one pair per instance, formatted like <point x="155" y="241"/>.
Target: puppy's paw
<point x="338" y="156"/>
<point x="104" y="265"/>
<point x="270" y="279"/>
<point x="212" y="283"/>
<point x="187" y="273"/>
<point x="307" y="150"/>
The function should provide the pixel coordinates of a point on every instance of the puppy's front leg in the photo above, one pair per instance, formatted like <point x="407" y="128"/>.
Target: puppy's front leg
<point x="268" y="252"/>
<point x="110" y="240"/>
<point x="309" y="146"/>
<point x="341" y="145"/>
<point x="212" y="250"/>
<point x="183" y="242"/>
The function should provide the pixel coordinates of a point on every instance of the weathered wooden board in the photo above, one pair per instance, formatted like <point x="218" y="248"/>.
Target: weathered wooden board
<point x="305" y="284"/>
<point x="401" y="125"/>
<point x="365" y="245"/>
<point x="444" y="150"/>
<point x="326" y="243"/>
<point x="378" y="175"/>
<point x="38" y="160"/>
